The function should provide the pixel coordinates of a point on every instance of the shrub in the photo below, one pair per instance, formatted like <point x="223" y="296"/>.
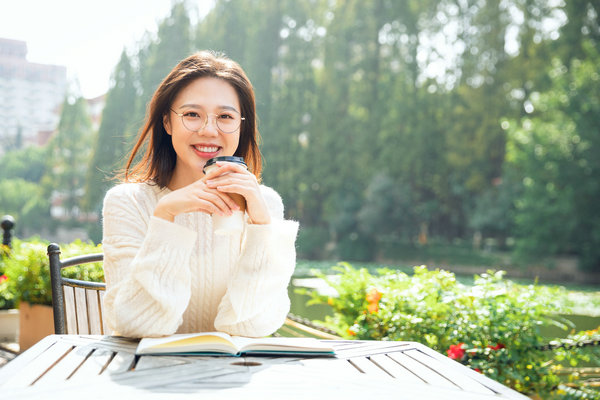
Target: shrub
<point x="7" y="295"/>
<point x="492" y="326"/>
<point x="28" y="271"/>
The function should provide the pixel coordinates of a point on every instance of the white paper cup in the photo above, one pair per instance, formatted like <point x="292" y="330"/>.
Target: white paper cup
<point x="228" y="225"/>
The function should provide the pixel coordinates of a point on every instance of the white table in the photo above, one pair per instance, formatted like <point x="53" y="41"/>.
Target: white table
<point x="105" y="367"/>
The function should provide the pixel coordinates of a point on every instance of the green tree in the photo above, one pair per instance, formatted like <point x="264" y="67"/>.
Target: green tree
<point x="582" y="26"/>
<point x="358" y="127"/>
<point x="160" y="55"/>
<point x="26" y="202"/>
<point x="68" y="157"/>
<point x="114" y="135"/>
<point x="555" y="153"/>
<point x="28" y="163"/>
<point x="289" y="130"/>
<point x="225" y="28"/>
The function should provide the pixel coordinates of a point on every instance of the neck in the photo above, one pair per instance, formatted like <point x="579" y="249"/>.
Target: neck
<point x="183" y="178"/>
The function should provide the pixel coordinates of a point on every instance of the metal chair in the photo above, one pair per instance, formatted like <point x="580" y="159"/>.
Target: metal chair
<point x="77" y="304"/>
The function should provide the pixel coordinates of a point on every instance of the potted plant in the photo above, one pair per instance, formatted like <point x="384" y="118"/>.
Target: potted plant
<point x="9" y="315"/>
<point x="28" y="273"/>
<point x="29" y="277"/>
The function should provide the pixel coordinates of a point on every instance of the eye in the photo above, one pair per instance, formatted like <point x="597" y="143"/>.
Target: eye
<point x="191" y="114"/>
<point x="226" y="116"/>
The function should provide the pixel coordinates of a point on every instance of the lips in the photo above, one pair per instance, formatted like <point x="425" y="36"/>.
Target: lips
<point x="206" y="149"/>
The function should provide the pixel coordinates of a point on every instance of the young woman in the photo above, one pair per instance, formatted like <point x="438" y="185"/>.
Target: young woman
<point x="166" y="271"/>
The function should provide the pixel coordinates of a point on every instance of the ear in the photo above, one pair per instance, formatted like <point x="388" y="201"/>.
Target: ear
<point x="167" y="123"/>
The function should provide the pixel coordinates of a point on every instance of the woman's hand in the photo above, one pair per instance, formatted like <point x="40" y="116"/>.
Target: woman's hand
<point x="194" y="197"/>
<point x="234" y="178"/>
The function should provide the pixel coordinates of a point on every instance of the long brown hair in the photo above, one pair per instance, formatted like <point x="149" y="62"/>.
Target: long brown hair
<point x="158" y="162"/>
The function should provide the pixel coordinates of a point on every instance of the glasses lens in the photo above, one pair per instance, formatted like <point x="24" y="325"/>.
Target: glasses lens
<point x="194" y="121"/>
<point x="227" y="121"/>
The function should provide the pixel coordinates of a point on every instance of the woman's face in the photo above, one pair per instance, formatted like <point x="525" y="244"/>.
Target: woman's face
<point x="210" y="97"/>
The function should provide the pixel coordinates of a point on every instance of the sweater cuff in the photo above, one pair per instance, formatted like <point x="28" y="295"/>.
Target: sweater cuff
<point x="264" y="269"/>
<point x="161" y="232"/>
<point x="279" y="232"/>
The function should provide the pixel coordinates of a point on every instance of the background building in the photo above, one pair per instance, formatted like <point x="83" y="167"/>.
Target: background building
<point x="30" y="96"/>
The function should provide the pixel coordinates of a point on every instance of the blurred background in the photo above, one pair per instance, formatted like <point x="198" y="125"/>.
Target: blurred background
<point x="462" y="133"/>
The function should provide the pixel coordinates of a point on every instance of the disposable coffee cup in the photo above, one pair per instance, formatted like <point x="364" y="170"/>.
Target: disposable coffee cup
<point x="227" y="225"/>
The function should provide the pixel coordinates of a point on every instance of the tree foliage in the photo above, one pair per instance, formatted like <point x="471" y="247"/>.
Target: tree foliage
<point x="374" y="132"/>
<point x="555" y="154"/>
<point x="387" y="122"/>
<point x="69" y="152"/>
<point x="114" y="135"/>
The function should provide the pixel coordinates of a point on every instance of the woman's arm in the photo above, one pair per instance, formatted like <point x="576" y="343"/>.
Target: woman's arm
<point x="146" y="264"/>
<point x="256" y="302"/>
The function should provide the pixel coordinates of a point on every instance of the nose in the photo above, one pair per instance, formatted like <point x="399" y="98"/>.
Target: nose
<point x="210" y="127"/>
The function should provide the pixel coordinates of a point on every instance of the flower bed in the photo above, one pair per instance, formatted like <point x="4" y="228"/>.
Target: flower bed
<point x="492" y="326"/>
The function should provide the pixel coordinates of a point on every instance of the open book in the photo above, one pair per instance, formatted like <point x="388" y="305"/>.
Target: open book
<point x="219" y="343"/>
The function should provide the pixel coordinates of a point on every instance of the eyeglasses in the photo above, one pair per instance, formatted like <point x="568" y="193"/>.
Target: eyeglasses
<point x="227" y="121"/>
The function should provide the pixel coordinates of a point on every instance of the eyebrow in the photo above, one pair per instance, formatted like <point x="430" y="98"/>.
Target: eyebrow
<point x="199" y="106"/>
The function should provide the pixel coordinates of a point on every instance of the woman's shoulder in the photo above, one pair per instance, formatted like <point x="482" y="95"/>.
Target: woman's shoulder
<point x="128" y="189"/>
<point x="133" y="192"/>
<point x="273" y="200"/>
<point x="269" y="193"/>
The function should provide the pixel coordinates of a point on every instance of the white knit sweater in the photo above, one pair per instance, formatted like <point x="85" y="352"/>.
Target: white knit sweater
<point x="166" y="277"/>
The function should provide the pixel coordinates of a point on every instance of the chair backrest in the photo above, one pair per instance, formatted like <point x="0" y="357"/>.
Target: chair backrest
<point x="77" y="305"/>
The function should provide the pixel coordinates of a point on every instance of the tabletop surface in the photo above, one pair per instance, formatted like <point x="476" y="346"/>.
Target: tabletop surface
<point x="87" y="366"/>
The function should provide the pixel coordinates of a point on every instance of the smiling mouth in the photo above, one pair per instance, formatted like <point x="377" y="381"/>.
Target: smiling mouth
<point x="207" y="149"/>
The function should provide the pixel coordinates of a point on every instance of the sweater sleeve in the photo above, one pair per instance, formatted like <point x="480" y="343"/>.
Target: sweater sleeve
<point x="256" y="301"/>
<point x="146" y="266"/>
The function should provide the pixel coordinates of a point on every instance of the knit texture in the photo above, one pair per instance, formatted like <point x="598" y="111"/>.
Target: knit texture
<point x="178" y="277"/>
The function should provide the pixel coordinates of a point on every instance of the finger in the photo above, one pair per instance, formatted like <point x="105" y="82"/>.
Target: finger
<point x="232" y="205"/>
<point x="232" y="167"/>
<point x="233" y="188"/>
<point x="213" y="174"/>
<point x="208" y="207"/>
<point x="242" y="188"/>
<point x="220" y="201"/>
<point x="225" y="180"/>
<point x="233" y="178"/>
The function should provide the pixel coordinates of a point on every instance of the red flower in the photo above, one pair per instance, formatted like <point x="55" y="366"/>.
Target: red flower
<point x="3" y="278"/>
<point x="498" y="346"/>
<point x="456" y="351"/>
<point x="373" y="298"/>
<point x="373" y="307"/>
<point x="478" y="370"/>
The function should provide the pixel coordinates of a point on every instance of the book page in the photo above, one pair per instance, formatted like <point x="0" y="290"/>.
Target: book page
<point x="282" y="344"/>
<point x="196" y="342"/>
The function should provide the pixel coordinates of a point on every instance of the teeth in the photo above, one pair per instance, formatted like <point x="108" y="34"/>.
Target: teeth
<point x="206" y="149"/>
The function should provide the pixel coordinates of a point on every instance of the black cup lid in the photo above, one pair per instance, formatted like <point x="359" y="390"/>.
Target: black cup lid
<point x="232" y="159"/>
